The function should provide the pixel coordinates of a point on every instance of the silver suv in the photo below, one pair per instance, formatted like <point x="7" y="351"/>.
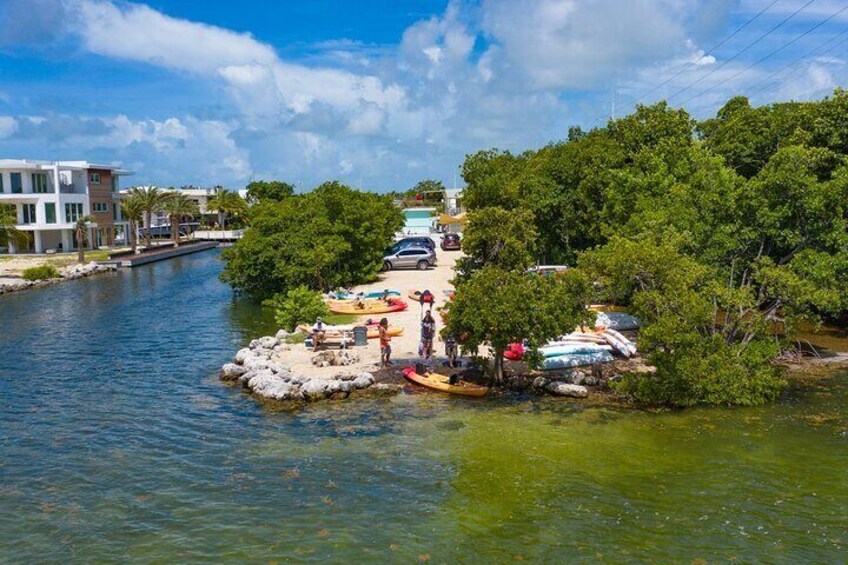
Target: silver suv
<point x="419" y="258"/>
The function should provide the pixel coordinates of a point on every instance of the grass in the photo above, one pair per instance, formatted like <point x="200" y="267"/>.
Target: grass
<point x="340" y="319"/>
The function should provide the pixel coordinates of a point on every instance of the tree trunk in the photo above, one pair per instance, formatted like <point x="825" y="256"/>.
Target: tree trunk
<point x="499" y="376"/>
<point x="148" y="219"/>
<point x="175" y="232"/>
<point x="80" y="247"/>
<point x="133" y="240"/>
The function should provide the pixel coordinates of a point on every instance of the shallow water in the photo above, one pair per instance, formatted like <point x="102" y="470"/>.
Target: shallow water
<point x="117" y="443"/>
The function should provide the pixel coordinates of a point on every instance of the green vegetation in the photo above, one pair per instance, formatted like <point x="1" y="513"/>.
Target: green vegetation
<point x="81" y="232"/>
<point x="496" y="307"/>
<point x="713" y="233"/>
<point x="132" y="208"/>
<point x="148" y="199"/>
<point x="299" y="306"/>
<point x="41" y="272"/>
<point x="331" y="237"/>
<point x="227" y="203"/>
<point x="8" y="232"/>
<point x="178" y="206"/>
<point x="260" y="190"/>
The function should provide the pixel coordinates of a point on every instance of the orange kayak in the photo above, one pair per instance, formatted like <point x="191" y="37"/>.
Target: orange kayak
<point x="366" y="306"/>
<point x="441" y="383"/>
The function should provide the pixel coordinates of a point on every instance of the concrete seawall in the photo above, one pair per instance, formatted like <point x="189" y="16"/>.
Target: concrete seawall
<point x="144" y="258"/>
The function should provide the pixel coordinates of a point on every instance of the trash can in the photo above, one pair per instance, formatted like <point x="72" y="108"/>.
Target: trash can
<point x="360" y="335"/>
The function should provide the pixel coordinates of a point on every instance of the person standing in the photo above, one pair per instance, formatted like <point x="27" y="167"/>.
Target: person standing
<point x="428" y="332"/>
<point x="385" y="346"/>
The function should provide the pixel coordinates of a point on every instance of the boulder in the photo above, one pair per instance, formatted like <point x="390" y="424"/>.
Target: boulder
<point x="243" y="354"/>
<point x="231" y="371"/>
<point x="267" y="385"/>
<point x="345" y="358"/>
<point x="268" y="342"/>
<point x="279" y="348"/>
<point x="363" y="381"/>
<point x="559" y="388"/>
<point x="333" y="386"/>
<point x="345" y="386"/>
<point x="282" y="335"/>
<point x="314" y="389"/>
<point x="256" y="363"/>
<point x="540" y="382"/>
<point x="324" y="359"/>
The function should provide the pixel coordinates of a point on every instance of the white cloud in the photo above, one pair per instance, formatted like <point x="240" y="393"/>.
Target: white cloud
<point x="8" y="126"/>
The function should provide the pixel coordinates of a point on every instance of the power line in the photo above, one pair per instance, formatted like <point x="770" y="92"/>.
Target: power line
<point x="778" y="50"/>
<point x="726" y="61"/>
<point x="767" y="81"/>
<point x="707" y="53"/>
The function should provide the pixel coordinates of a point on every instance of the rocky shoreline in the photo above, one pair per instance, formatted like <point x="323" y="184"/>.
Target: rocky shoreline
<point x="67" y="274"/>
<point x="258" y="369"/>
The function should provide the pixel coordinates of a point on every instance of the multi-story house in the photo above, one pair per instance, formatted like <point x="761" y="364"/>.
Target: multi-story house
<point x="49" y="198"/>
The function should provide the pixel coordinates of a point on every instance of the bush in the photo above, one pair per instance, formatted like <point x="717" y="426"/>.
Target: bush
<point x="41" y="272"/>
<point x="298" y="306"/>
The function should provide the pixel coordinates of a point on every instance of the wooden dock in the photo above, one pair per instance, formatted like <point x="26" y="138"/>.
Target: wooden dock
<point x="130" y="260"/>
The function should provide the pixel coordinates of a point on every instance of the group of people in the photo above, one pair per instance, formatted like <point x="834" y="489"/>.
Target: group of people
<point x="425" y="347"/>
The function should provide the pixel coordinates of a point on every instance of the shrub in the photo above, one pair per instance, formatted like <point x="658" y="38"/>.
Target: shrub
<point x="298" y="306"/>
<point x="40" y="273"/>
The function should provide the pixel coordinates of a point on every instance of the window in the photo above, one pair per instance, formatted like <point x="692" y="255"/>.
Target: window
<point x="39" y="183"/>
<point x="50" y="212"/>
<point x="114" y="183"/>
<point x="17" y="186"/>
<point x="1" y="182"/>
<point x="100" y="207"/>
<point x="29" y="213"/>
<point x="412" y="252"/>
<point x="73" y="212"/>
<point x="116" y="212"/>
<point x="94" y="178"/>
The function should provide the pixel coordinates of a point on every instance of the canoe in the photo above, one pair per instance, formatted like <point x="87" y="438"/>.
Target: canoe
<point x="580" y="337"/>
<point x="373" y="330"/>
<point x="576" y="360"/>
<point x="367" y="306"/>
<point x="377" y="294"/>
<point x="441" y="383"/>
<point x="571" y="349"/>
<point x="618" y="342"/>
<point x="617" y="321"/>
<point x="416" y="296"/>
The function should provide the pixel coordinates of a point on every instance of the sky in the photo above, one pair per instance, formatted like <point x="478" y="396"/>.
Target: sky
<point x="379" y="94"/>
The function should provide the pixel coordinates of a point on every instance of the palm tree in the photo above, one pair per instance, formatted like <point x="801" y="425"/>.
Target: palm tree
<point x="152" y="200"/>
<point x="81" y="231"/>
<point x="178" y="206"/>
<point x="132" y="209"/>
<point x="9" y="234"/>
<point x="226" y="202"/>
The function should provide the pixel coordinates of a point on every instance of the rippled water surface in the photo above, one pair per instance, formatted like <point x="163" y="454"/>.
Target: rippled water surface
<point x="117" y="443"/>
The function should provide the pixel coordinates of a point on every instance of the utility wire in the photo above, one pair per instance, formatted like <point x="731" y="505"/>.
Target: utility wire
<point x="767" y="82"/>
<point x="747" y="47"/>
<point x="707" y="53"/>
<point x="760" y="60"/>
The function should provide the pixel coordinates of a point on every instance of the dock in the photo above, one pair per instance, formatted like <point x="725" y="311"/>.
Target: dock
<point x="130" y="260"/>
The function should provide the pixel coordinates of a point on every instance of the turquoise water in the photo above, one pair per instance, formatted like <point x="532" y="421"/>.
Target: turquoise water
<point x="411" y="214"/>
<point x="118" y="444"/>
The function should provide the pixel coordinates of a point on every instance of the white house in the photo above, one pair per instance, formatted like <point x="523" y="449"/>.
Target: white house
<point x="49" y="197"/>
<point x="200" y="196"/>
<point x="453" y="201"/>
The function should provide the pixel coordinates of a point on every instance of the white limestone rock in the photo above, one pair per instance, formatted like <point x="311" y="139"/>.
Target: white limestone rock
<point x="268" y="342"/>
<point x="314" y="389"/>
<point x="559" y="388"/>
<point x="540" y="382"/>
<point x="243" y="354"/>
<point x="282" y="335"/>
<point x="231" y="371"/>
<point x="363" y="381"/>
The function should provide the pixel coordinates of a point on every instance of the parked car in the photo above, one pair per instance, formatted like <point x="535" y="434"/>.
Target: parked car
<point x="547" y="270"/>
<point x="451" y="241"/>
<point x="419" y="241"/>
<point x="419" y="258"/>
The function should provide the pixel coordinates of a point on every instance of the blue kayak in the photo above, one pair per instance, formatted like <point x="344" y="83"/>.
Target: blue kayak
<point x="365" y="296"/>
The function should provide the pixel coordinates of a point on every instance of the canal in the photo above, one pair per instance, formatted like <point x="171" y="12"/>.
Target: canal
<point x="119" y="444"/>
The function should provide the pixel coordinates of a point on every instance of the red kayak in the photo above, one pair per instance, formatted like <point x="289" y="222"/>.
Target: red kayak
<point x="514" y="352"/>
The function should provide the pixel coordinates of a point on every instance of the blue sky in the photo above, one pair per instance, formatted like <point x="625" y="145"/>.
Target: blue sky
<point x="378" y="94"/>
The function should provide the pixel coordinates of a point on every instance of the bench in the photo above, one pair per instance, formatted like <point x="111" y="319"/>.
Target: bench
<point x="339" y="338"/>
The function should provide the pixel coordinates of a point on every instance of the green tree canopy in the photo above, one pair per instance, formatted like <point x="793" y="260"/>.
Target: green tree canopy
<point x="260" y="190"/>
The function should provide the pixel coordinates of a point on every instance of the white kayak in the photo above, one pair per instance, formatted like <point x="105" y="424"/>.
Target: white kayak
<point x="576" y="360"/>
<point x="618" y="342"/>
<point x="570" y="348"/>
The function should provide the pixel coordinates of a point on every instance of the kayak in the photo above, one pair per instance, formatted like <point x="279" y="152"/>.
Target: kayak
<point x="377" y="294"/>
<point x="514" y="352"/>
<point x="618" y="342"/>
<point x="441" y="383"/>
<point x="572" y="348"/>
<point x="373" y="330"/>
<point x="416" y="296"/>
<point x="366" y="306"/>
<point x="579" y="337"/>
<point x="576" y="360"/>
<point x="617" y="321"/>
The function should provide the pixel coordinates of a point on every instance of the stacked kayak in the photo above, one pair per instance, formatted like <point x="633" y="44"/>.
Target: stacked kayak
<point x="576" y="360"/>
<point x="617" y="321"/>
<point x="369" y="306"/>
<point x="441" y="383"/>
<point x="578" y="349"/>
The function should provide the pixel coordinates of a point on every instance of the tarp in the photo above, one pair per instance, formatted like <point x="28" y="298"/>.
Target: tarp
<point x="445" y="219"/>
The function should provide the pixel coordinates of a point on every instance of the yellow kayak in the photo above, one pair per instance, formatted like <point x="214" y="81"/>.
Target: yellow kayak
<point x="442" y="383"/>
<point x="366" y="306"/>
<point x="373" y="330"/>
<point x="416" y="296"/>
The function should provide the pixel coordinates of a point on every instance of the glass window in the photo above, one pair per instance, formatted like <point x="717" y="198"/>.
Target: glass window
<point x="39" y="183"/>
<point x="73" y="212"/>
<point x="28" y="213"/>
<point x="94" y="178"/>
<point x="99" y="207"/>
<point x="50" y="212"/>
<point x="1" y="182"/>
<point x="17" y="186"/>
<point x="114" y="183"/>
